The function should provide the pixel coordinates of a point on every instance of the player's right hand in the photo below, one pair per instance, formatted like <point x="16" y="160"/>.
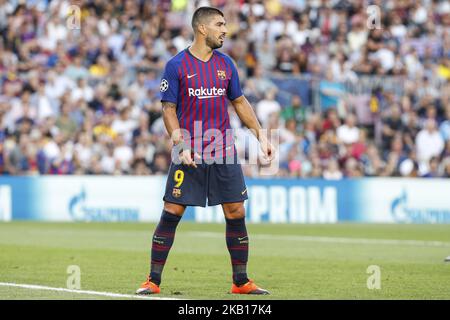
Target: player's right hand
<point x="186" y="158"/>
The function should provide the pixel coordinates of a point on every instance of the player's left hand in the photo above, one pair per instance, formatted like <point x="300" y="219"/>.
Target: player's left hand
<point x="267" y="149"/>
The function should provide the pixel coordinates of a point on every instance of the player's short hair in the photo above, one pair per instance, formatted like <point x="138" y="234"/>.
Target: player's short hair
<point x="203" y="14"/>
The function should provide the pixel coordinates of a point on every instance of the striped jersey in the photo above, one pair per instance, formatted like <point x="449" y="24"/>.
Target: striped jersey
<point x="200" y="91"/>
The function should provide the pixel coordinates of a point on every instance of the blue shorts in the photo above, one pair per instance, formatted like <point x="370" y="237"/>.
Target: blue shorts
<point x="217" y="183"/>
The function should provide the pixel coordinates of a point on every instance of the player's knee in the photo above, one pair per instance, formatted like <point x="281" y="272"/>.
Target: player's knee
<point x="234" y="211"/>
<point x="174" y="208"/>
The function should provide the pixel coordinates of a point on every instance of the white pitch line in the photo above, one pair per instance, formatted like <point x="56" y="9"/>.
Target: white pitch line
<point x="329" y="239"/>
<point x="87" y="292"/>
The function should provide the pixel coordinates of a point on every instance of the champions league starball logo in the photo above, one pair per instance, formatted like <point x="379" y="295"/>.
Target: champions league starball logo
<point x="404" y="211"/>
<point x="81" y="210"/>
<point x="164" y="85"/>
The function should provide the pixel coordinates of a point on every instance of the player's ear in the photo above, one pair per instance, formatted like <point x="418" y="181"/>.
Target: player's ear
<point x="202" y="29"/>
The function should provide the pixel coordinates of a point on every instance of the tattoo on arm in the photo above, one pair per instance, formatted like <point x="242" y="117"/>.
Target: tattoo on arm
<point x="171" y="121"/>
<point x="167" y="105"/>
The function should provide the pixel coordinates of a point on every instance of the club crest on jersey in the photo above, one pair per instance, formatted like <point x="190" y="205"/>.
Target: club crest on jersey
<point x="221" y="74"/>
<point x="176" y="192"/>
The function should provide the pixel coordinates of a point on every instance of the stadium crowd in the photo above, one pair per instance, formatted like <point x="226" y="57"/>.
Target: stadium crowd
<point x="86" y="100"/>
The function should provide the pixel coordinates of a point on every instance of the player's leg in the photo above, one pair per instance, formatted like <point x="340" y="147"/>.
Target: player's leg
<point x="162" y="242"/>
<point x="226" y="186"/>
<point x="186" y="186"/>
<point x="237" y="243"/>
<point x="163" y="238"/>
<point x="237" y="240"/>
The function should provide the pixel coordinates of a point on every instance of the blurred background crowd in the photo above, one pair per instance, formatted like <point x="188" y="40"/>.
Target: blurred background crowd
<point x="356" y="88"/>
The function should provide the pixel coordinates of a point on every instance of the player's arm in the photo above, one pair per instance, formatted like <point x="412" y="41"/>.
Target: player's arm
<point x="169" y="113"/>
<point x="169" y="97"/>
<point x="173" y="129"/>
<point x="245" y="112"/>
<point x="248" y="117"/>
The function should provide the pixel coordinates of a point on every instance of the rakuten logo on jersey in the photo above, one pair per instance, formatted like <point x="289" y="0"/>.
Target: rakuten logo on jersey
<point x="204" y="93"/>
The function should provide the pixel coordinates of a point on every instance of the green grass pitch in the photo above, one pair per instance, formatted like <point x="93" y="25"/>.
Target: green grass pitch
<point x="292" y="261"/>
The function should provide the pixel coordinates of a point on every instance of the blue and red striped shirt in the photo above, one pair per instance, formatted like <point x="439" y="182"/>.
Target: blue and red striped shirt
<point x="200" y="90"/>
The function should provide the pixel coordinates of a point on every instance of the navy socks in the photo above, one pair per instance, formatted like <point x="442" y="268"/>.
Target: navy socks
<point x="237" y="243"/>
<point x="161" y="244"/>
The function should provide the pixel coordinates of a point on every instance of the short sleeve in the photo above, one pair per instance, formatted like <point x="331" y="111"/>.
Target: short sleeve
<point x="234" y="90"/>
<point x="169" y="84"/>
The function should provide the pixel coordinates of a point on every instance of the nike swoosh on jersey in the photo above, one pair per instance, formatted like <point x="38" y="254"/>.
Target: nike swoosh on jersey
<point x="191" y="75"/>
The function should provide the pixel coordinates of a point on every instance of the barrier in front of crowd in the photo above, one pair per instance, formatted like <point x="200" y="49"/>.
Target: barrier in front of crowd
<point x="128" y="198"/>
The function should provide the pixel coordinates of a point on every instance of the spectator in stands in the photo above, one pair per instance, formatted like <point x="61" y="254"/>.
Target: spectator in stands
<point x="331" y="92"/>
<point x="446" y="168"/>
<point x="444" y="127"/>
<point x="65" y="123"/>
<point x="332" y="171"/>
<point x="266" y="107"/>
<point x="433" y="168"/>
<point x="124" y="125"/>
<point x="123" y="153"/>
<point x="429" y="144"/>
<point x="296" y="111"/>
<point x="392" y="124"/>
<point x="348" y="133"/>
<point x="82" y="92"/>
<point x="257" y="86"/>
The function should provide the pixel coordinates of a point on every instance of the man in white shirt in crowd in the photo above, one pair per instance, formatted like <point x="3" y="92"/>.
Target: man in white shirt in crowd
<point x="429" y="143"/>
<point x="348" y="133"/>
<point x="266" y="107"/>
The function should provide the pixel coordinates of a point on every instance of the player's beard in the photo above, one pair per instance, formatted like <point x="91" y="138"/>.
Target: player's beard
<point x="212" y="43"/>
